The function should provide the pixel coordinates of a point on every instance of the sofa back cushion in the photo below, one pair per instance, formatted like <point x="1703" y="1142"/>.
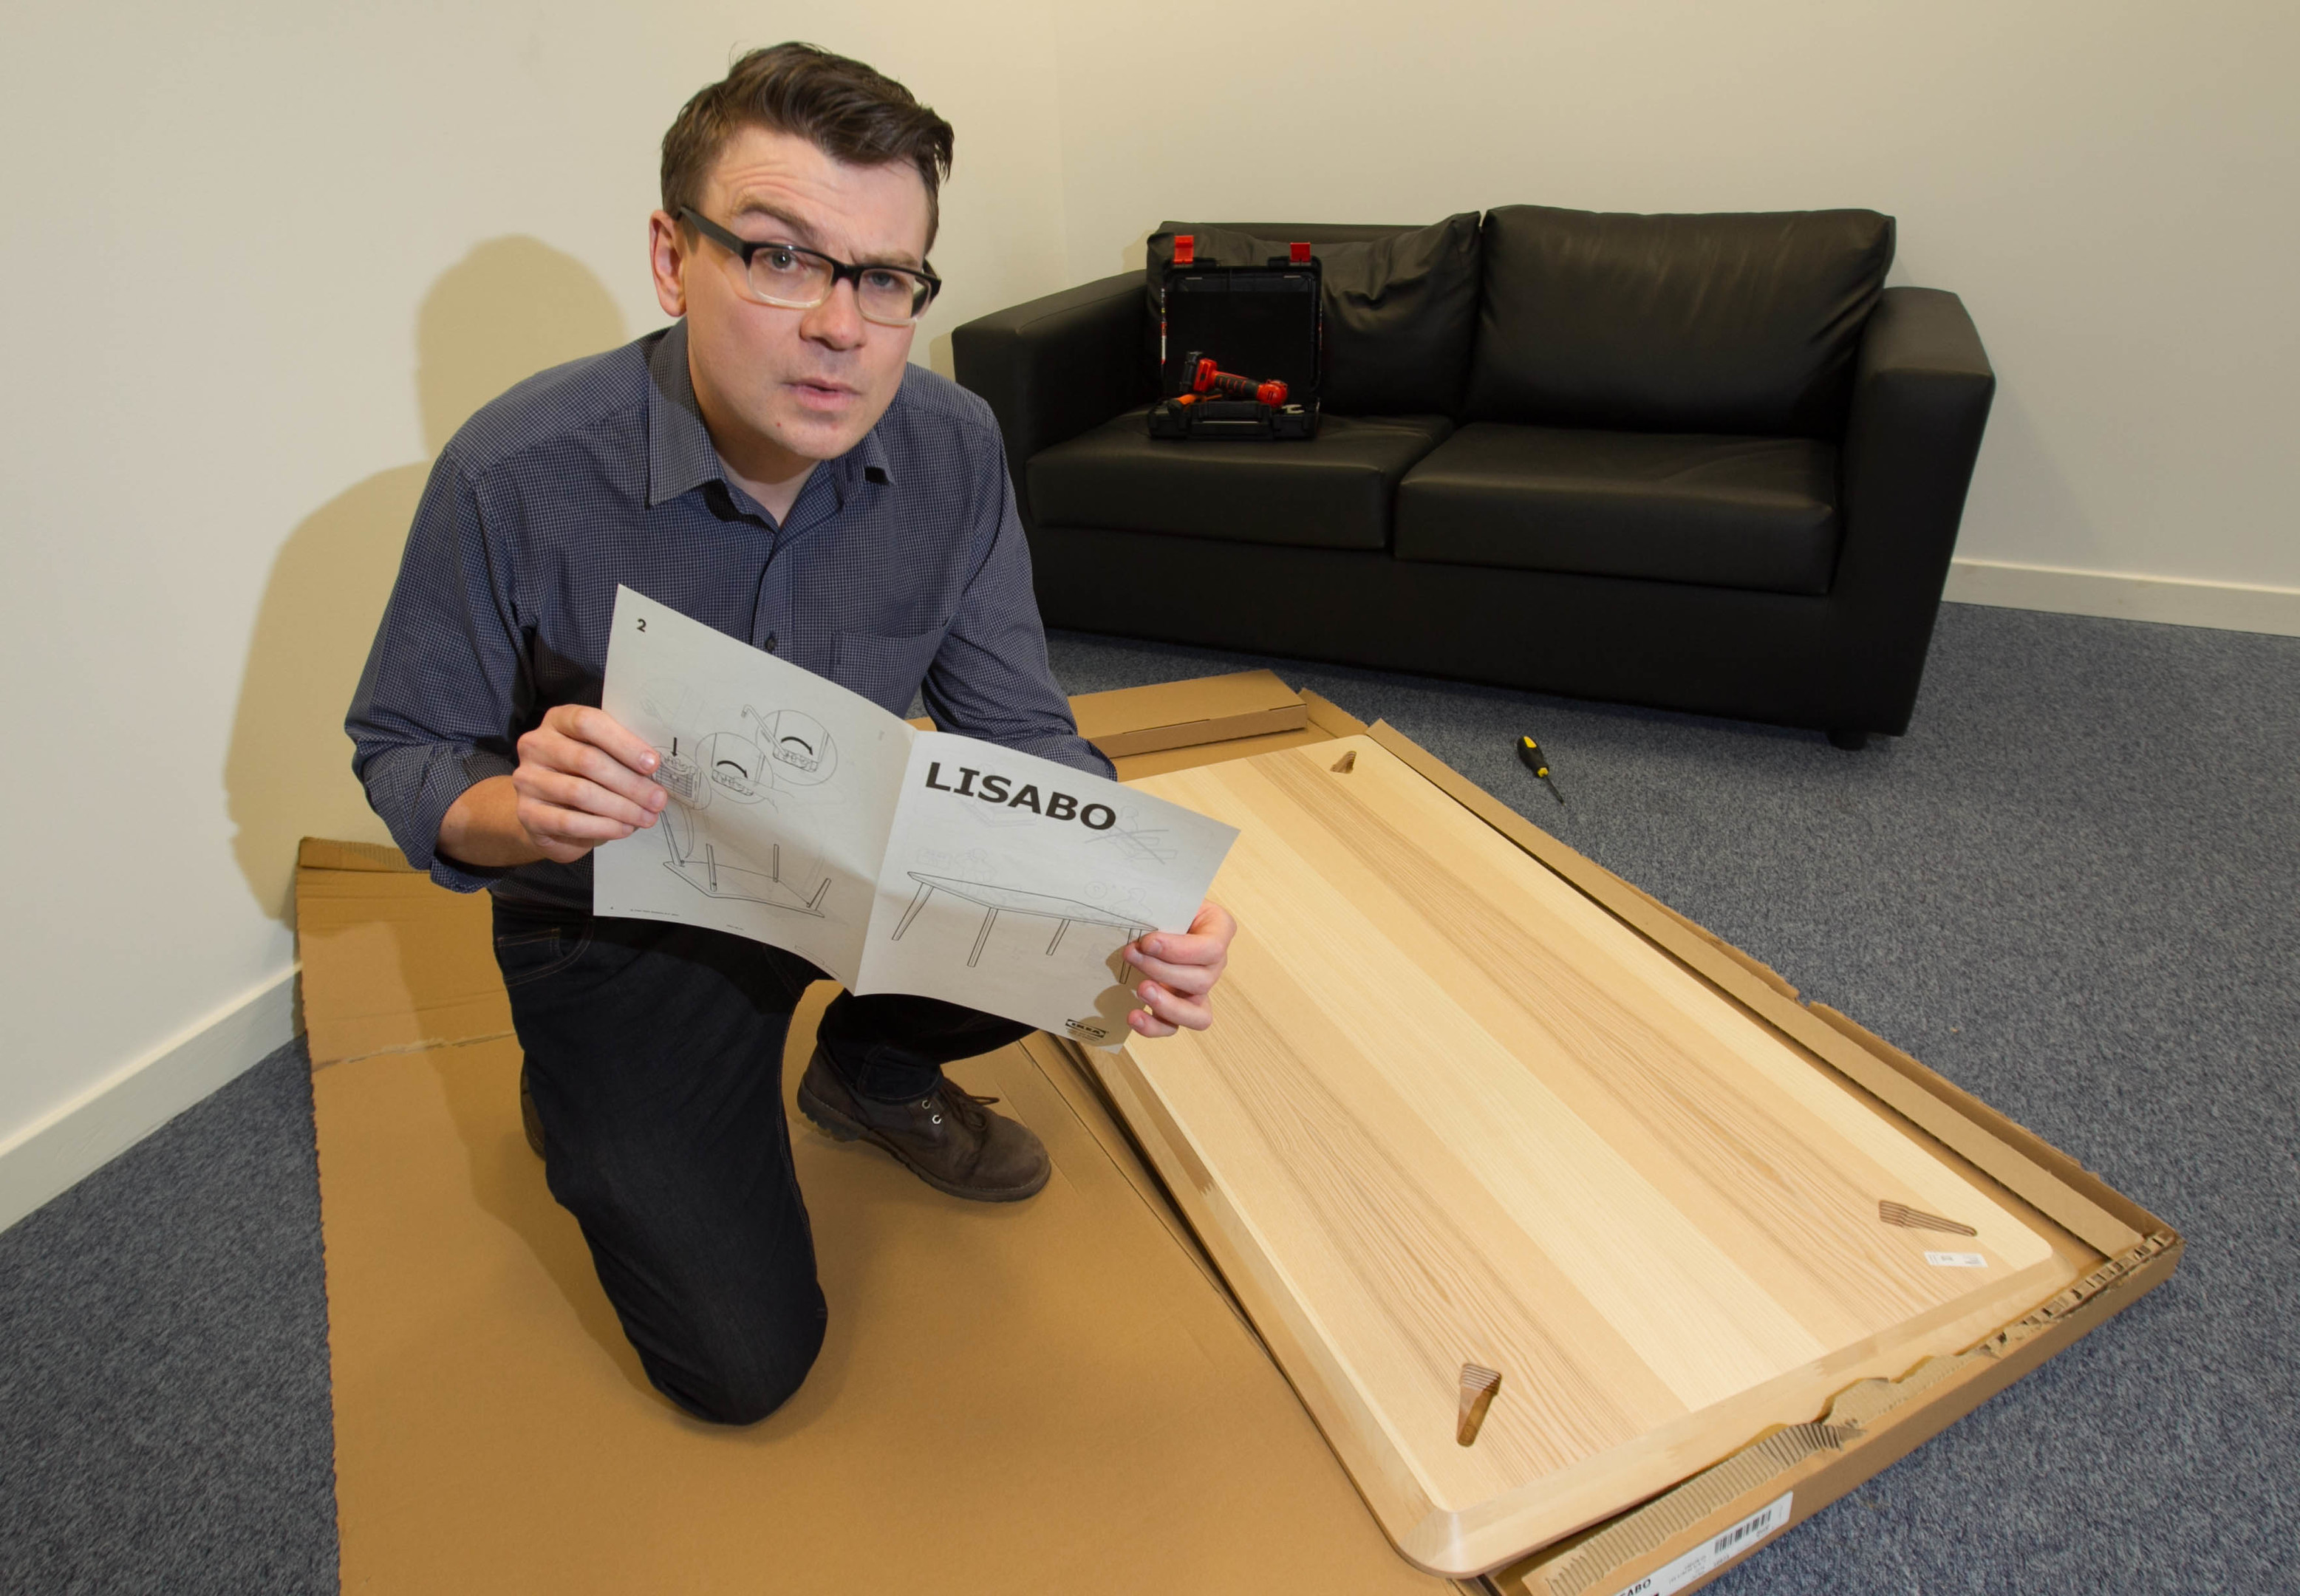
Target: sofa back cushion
<point x="1731" y="324"/>
<point x="1401" y="304"/>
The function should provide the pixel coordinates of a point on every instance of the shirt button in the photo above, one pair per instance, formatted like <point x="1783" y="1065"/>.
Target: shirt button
<point x="771" y="642"/>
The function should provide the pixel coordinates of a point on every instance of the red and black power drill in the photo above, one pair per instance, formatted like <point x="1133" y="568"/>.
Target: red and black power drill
<point x="1207" y="380"/>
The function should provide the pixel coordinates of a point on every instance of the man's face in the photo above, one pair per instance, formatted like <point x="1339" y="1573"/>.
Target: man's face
<point x="782" y="388"/>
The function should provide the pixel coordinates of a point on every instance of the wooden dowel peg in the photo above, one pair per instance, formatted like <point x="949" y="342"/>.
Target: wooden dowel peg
<point x="1478" y="1385"/>
<point x="1909" y="1218"/>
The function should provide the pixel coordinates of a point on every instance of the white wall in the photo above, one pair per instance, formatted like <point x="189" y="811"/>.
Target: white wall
<point x="260" y="259"/>
<point x="2110" y="186"/>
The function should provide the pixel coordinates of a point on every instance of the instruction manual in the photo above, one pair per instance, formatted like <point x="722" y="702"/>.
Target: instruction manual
<point x="805" y="817"/>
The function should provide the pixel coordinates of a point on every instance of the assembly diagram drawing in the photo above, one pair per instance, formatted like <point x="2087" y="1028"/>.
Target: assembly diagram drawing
<point x="995" y="901"/>
<point x="1137" y="843"/>
<point x="806" y="816"/>
<point x="723" y="784"/>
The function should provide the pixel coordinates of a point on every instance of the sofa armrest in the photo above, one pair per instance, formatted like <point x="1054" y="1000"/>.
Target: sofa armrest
<point x="1921" y="395"/>
<point x="1057" y="366"/>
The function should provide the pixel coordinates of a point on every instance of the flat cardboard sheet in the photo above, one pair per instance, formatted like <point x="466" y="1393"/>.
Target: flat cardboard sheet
<point x="1044" y="1396"/>
<point x="398" y="964"/>
<point x="1051" y="1395"/>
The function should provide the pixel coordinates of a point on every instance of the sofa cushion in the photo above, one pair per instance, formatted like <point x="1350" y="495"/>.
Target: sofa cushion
<point x="1723" y="512"/>
<point x="1724" y="323"/>
<point x="1401" y="304"/>
<point x="1330" y="491"/>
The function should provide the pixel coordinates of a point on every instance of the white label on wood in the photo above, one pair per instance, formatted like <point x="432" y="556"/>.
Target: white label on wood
<point x="1674" y="1576"/>
<point x="1957" y="1260"/>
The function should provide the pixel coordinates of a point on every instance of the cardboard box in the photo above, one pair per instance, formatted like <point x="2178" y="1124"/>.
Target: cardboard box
<point x="1062" y="1392"/>
<point x="1188" y="714"/>
<point x="1213" y="717"/>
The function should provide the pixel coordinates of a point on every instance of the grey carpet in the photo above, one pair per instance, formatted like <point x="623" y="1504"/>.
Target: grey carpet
<point x="2071" y="889"/>
<point x="164" y="1420"/>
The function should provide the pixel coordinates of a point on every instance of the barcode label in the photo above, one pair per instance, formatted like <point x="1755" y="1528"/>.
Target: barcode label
<point x="1674" y="1576"/>
<point x="1957" y="1260"/>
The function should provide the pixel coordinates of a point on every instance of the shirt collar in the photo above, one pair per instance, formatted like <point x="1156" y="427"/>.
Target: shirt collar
<point x="680" y="455"/>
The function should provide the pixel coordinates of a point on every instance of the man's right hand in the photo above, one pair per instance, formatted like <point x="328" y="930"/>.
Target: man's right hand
<point x="583" y="779"/>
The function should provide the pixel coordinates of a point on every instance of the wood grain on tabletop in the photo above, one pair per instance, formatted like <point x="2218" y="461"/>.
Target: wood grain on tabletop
<point x="1452" y="1112"/>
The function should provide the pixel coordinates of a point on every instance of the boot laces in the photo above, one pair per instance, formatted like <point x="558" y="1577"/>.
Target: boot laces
<point x="972" y="1111"/>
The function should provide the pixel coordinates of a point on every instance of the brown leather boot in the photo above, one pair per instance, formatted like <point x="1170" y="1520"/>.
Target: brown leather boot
<point x="950" y="1140"/>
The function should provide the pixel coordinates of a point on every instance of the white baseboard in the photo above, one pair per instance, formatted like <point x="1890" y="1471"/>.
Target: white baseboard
<point x="2178" y="601"/>
<point x="55" y="1151"/>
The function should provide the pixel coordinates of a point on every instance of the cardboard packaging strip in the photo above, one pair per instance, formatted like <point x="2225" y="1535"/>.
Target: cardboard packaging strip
<point x="1871" y="1428"/>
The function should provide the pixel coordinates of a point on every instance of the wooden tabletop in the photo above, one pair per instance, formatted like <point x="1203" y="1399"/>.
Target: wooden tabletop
<point x="1452" y="1112"/>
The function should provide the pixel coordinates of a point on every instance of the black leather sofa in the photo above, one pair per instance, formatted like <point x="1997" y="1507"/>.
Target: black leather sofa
<point x="1708" y="462"/>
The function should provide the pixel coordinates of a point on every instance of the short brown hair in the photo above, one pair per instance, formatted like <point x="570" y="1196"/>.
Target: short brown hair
<point x="850" y="112"/>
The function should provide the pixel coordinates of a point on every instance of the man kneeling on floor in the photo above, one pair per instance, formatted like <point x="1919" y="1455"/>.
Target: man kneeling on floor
<point x="773" y="465"/>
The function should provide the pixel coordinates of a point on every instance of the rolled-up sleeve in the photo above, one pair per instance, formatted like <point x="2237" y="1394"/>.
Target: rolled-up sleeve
<point x="990" y="679"/>
<point x="437" y="708"/>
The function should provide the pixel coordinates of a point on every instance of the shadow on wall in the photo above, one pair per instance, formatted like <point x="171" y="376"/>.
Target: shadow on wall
<point x="510" y="308"/>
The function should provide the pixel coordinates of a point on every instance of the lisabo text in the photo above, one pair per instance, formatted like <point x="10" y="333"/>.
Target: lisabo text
<point x="998" y="790"/>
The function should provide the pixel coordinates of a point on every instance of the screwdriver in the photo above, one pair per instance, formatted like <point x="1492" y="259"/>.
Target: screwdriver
<point x="1538" y="762"/>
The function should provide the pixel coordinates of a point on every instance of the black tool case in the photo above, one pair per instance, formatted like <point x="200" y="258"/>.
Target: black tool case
<point x="1266" y="323"/>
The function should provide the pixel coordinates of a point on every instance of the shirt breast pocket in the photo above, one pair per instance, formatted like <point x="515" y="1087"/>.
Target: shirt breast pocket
<point x="885" y="669"/>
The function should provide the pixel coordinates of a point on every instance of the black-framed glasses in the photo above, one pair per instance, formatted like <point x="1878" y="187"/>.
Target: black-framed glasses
<point x="796" y="279"/>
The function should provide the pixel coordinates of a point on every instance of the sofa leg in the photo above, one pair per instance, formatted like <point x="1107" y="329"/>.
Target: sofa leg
<point x="1852" y="742"/>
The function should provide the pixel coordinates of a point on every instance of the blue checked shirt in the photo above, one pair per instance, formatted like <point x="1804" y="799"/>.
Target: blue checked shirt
<point x="901" y="568"/>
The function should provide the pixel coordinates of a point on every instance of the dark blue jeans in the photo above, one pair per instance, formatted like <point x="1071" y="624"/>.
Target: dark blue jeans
<point x="655" y="1053"/>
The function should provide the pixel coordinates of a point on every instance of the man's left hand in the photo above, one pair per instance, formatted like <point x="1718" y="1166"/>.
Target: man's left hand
<point x="1179" y="971"/>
